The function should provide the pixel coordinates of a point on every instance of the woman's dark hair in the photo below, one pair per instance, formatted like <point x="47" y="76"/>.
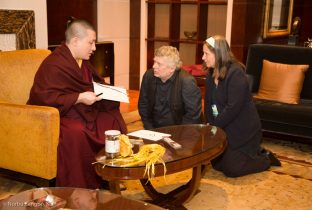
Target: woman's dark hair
<point x="223" y="56"/>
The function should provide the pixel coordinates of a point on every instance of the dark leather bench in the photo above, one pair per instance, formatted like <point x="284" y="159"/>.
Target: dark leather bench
<point x="291" y="121"/>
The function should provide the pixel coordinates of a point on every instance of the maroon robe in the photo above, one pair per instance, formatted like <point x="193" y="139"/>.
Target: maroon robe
<point x="58" y="83"/>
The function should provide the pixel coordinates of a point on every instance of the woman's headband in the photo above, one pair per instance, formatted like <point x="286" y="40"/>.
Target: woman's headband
<point x="211" y="41"/>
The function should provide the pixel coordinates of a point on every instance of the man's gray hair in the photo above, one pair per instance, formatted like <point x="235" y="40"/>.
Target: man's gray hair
<point x="171" y="54"/>
<point x="77" y="28"/>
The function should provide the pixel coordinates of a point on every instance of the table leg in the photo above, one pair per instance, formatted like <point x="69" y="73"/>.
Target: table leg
<point x="204" y="168"/>
<point x="114" y="187"/>
<point x="175" y="198"/>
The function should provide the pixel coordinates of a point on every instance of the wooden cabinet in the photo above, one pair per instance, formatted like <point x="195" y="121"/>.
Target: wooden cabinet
<point x="59" y="11"/>
<point x="169" y="19"/>
<point x="103" y="59"/>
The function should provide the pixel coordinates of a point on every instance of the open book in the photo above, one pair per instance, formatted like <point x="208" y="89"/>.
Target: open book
<point x="150" y="135"/>
<point x="111" y="92"/>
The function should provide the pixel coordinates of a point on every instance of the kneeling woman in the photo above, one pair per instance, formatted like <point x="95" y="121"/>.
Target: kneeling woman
<point x="229" y="105"/>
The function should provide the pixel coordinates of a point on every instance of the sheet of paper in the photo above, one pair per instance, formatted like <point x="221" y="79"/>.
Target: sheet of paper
<point x="111" y="92"/>
<point x="150" y="135"/>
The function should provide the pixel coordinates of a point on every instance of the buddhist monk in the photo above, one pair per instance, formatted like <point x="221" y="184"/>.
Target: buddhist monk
<point x="64" y="80"/>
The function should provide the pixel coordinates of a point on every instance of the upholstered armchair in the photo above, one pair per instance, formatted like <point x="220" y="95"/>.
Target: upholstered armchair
<point x="28" y="134"/>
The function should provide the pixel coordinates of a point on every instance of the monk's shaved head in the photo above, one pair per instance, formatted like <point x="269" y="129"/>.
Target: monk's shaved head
<point x="77" y="28"/>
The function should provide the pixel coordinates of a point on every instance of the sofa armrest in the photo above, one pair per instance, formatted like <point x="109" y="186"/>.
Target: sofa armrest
<point x="250" y="79"/>
<point x="29" y="137"/>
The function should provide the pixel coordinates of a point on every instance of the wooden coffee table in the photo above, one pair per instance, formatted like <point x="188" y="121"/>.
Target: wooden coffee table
<point x="200" y="143"/>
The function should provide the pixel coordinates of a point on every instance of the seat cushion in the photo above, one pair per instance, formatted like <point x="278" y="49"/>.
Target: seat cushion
<point x="281" y="82"/>
<point x="287" y="114"/>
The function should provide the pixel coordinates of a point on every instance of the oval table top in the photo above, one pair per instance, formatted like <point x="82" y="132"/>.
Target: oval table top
<point x="199" y="142"/>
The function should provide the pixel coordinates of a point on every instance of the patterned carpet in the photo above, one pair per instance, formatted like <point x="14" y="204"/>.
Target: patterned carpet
<point x="281" y="188"/>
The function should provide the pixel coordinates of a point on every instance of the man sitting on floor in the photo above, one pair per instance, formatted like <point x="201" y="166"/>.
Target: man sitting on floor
<point x="169" y="95"/>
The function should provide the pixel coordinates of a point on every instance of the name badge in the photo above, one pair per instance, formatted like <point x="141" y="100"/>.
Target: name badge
<point x="214" y="110"/>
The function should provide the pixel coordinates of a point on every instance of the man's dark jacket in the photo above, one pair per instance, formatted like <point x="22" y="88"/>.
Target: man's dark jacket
<point x="185" y="102"/>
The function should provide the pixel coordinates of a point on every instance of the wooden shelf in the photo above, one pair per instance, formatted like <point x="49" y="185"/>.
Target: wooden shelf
<point x="186" y="2"/>
<point x="190" y="41"/>
<point x="158" y="39"/>
<point x="168" y="19"/>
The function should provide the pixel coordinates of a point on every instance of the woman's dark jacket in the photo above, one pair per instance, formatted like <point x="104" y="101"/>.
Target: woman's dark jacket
<point x="185" y="102"/>
<point x="237" y="113"/>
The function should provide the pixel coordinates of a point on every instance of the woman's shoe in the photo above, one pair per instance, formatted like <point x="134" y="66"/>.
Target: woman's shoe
<point x="273" y="160"/>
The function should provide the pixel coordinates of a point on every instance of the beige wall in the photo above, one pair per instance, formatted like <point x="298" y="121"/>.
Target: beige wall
<point x="229" y="21"/>
<point x="113" y="25"/>
<point x="40" y="9"/>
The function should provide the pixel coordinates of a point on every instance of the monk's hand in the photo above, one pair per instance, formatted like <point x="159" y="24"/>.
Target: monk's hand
<point x="88" y="98"/>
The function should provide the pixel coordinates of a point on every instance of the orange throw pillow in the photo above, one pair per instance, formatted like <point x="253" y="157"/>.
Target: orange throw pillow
<point x="281" y="82"/>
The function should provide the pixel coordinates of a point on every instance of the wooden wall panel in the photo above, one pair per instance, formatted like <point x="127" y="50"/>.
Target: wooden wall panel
<point x="247" y="25"/>
<point x="134" y="59"/>
<point x="58" y="12"/>
<point x="247" y="22"/>
<point x="303" y="9"/>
